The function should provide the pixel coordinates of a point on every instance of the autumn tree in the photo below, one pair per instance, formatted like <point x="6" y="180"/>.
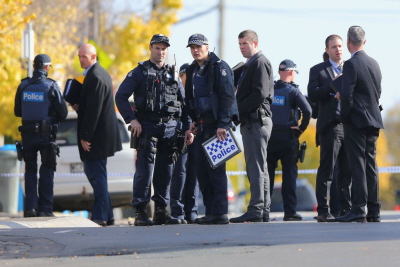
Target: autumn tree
<point x="122" y="42"/>
<point x="128" y="41"/>
<point x="12" y="23"/>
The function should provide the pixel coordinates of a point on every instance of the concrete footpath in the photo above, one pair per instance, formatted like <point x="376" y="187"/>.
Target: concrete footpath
<point x="14" y="221"/>
<point x="61" y="221"/>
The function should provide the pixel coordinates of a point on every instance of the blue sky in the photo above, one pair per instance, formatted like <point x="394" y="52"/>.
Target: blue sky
<point x="296" y="30"/>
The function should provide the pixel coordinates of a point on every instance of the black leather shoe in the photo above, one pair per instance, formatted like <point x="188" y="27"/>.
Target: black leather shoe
<point x="46" y="214"/>
<point x="110" y="222"/>
<point x="351" y="217"/>
<point x="141" y="218"/>
<point x="246" y="217"/>
<point x="30" y="213"/>
<point x="265" y="218"/>
<point x="344" y="212"/>
<point x="213" y="219"/>
<point x="373" y="218"/>
<point x="161" y="216"/>
<point x="190" y="221"/>
<point x="294" y="217"/>
<point x="326" y="218"/>
<point x="100" y="222"/>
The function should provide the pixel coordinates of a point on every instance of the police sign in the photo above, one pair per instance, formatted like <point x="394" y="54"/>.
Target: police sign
<point x="278" y="100"/>
<point x="33" y="96"/>
<point x="219" y="152"/>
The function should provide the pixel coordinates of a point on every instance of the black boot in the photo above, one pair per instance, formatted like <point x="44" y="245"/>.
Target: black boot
<point x="30" y="213"/>
<point x="141" y="218"/>
<point x="161" y="216"/>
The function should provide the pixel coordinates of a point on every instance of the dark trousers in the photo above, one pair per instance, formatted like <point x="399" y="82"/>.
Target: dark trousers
<point x="96" y="172"/>
<point x="184" y="186"/>
<point x="361" y="151"/>
<point x="333" y="149"/>
<point x="333" y="193"/>
<point x="287" y="152"/>
<point x="34" y="143"/>
<point x="160" y="162"/>
<point x="213" y="182"/>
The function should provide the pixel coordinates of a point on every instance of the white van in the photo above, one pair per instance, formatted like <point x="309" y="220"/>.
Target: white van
<point x="72" y="190"/>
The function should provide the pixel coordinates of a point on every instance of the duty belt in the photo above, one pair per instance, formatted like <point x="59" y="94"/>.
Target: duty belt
<point x="158" y="119"/>
<point x="35" y="127"/>
<point x="208" y="120"/>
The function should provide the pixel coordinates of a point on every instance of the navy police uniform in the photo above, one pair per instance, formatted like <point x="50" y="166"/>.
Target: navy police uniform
<point x="158" y="100"/>
<point x="184" y="185"/>
<point x="41" y="105"/>
<point x="211" y="99"/>
<point x="284" y="141"/>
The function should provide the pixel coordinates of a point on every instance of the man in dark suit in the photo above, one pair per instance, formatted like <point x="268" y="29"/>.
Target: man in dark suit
<point x="361" y="115"/>
<point x="98" y="133"/>
<point x="330" y="134"/>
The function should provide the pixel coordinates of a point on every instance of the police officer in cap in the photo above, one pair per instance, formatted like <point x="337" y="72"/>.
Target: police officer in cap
<point x="210" y="96"/>
<point x="42" y="107"/>
<point x="288" y="106"/>
<point x="154" y="124"/>
<point x="184" y="185"/>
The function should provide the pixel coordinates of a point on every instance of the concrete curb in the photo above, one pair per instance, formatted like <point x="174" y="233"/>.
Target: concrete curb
<point x="46" y="222"/>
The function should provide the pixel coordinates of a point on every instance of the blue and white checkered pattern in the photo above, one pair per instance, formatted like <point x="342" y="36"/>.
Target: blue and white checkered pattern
<point x="219" y="151"/>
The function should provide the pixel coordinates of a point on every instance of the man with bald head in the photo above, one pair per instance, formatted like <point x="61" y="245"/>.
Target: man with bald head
<point x="98" y="135"/>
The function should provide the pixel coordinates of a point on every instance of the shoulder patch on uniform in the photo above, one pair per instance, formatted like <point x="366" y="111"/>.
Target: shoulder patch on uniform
<point x="223" y="72"/>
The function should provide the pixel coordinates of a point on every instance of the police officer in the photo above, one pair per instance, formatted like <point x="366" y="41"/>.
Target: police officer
<point x="211" y="99"/>
<point x="184" y="185"/>
<point x="287" y="107"/>
<point x="158" y="101"/>
<point x="41" y="105"/>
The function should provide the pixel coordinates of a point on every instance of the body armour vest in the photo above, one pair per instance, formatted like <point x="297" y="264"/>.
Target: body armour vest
<point x="161" y="88"/>
<point x="201" y="92"/>
<point x="283" y="115"/>
<point x="35" y="102"/>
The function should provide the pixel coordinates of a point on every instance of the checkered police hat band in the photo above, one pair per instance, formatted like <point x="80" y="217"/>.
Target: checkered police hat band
<point x="160" y="39"/>
<point x="196" y="41"/>
<point x="282" y="69"/>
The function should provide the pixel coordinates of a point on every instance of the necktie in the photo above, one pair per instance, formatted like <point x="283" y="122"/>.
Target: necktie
<point x="339" y="69"/>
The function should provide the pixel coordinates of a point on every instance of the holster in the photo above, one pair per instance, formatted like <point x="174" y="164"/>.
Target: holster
<point x="20" y="151"/>
<point x="49" y="152"/>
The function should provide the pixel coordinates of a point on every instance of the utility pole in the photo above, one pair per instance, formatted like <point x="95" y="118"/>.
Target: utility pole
<point x="221" y="8"/>
<point x="94" y="10"/>
<point x="27" y="47"/>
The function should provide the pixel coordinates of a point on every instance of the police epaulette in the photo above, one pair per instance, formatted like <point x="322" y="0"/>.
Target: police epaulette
<point x="25" y="78"/>
<point x="145" y="64"/>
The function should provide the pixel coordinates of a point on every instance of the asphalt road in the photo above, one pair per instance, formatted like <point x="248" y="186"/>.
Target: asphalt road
<point x="276" y="243"/>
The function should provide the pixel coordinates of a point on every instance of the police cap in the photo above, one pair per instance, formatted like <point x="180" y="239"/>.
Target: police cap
<point x="159" y="38"/>
<point x="42" y="60"/>
<point x="183" y="68"/>
<point x="197" y="39"/>
<point x="287" y="64"/>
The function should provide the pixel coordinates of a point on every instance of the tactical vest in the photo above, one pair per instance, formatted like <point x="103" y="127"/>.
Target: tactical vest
<point x="161" y="88"/>
<point x="202" y="99"/>
<point x="283" y="115"/>
<point x="35" y="102"/>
